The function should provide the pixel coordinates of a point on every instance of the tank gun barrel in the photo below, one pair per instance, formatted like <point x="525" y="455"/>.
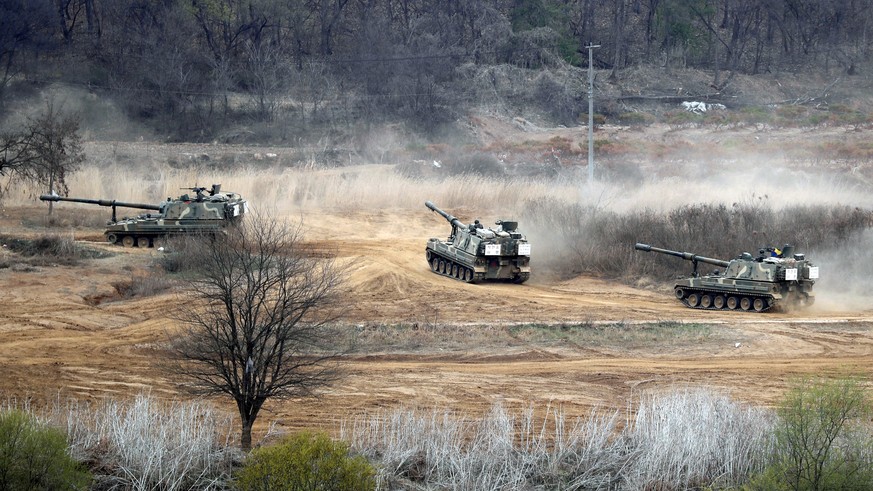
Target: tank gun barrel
<point x="102" y="202"/>
<point x="683" y="255"/>
<point x="449" y="218"/>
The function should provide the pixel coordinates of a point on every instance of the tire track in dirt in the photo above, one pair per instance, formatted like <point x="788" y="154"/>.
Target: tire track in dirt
<point x="65" y="329"/>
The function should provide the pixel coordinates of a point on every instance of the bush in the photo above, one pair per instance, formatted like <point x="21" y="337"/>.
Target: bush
<point x="682" y="118"/>
<point x="143" y="285"/>
<point x="818" y="444"/>
<point x="756" y="115"/>
<point x="477" y="163"/>
<point x="184" y="254"/>
<point x="636" y="118"/>
<point x="50" y="249"/>
<point x="35" y="456"/>
<point x="598" y="241"/>
<point x="306" y="461"/>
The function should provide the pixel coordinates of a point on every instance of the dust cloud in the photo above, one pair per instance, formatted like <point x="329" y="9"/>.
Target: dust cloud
<point x="144" y="171"/>
<point x="100" y="118"/>
<point x="846" y="275"/>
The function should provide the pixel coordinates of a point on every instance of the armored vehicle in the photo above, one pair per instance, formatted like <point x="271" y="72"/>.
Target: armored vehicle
<point x="773" y="278"/>
<point x="474" y="253"/>
<point x="207" y="211"/>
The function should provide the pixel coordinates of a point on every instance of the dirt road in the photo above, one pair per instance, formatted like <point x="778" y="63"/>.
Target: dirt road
<point x="65" y="330"/>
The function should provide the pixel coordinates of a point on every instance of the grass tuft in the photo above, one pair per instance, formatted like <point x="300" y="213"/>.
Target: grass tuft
<point x="50" y="249"/>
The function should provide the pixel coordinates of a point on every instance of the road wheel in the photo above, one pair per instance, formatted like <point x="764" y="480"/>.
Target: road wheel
<point x="693" y="300"/>
<point x="143" y="242"/>
<point x="759" y="304"/>
<point x="442" y="267"/>
<point x="429" y="256"/>
<point x="454" y="270"/>
<point x="112" y="238"/>
<point x="435" y="265"/>
<point x="680" y="293"/>
<point x="745" y="303"/>
<point x="718" y="302"/>
<point x="706" y="301"/>
<point x="127" y="241"/>
<point x="732" y="303"/>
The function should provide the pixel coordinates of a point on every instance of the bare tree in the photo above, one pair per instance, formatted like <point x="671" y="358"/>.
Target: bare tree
<point x="45" y="152"/>
<point x="15" y="154"/>
<point x="268" y="71"/>
<point x="24" y="31"/>
<point x="260" y="325"/>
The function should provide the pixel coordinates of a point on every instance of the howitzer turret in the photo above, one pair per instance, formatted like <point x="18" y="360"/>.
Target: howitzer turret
<point x="774" y="278"/>
<point x="474" y="253"/>
<point x="207" y="212"/>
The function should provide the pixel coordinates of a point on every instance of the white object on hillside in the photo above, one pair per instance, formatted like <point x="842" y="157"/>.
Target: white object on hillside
<point x="698" y="107"/>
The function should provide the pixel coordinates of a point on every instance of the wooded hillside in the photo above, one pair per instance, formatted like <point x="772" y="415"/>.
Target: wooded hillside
<point x="203" y="69"/>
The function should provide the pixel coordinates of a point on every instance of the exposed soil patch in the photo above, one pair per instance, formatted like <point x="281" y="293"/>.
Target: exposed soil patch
<point x="425" y="340"/>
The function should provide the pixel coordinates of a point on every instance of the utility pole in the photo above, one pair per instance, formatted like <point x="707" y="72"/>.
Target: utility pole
<point x="591" y="112"/>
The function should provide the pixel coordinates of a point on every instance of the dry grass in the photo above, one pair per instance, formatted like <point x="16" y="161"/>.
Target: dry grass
<point x="624" y="337"/>
<point x="686" y="439"/>
<point x="718" y="206"/>
<point x="48" y="249"/>
<point x="370" y="187"/>
<point x="660" y="185"/>
<point x="145" y="443"/>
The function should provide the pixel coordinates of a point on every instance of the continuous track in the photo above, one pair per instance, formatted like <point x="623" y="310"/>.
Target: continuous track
<point x="708" y="299"/>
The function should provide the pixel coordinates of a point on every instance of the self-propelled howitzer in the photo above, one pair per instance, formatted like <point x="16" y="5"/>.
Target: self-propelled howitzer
<point x="206" y="212"/>
<point x="773" y="278"/>
<point x="474" y="253"/>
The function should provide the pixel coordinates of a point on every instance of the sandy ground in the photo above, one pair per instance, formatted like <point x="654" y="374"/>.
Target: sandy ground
<point x="64" y="331"/>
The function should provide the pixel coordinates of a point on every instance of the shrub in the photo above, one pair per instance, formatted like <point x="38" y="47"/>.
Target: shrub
<point x="184" y="254"/>
<point x="817" y="444"/>
<point x="681" y="118"/>
<point x="143" y="285"/>
<point x="756" y="115"/>
<point x="306" y="461"/>
<point x="477" y="163"/>
<point x="599" y="119"/>
<point x="637" y="118"/>
<point x="791" y="113"/>
<point x="598" y="241"/>
<point x="35" y="456"/>
<point x="50" y="249"/>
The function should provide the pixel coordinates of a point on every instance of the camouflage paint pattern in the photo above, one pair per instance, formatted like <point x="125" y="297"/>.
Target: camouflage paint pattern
<point x="474" y="253"/>
<point x="203" y="213"/>
<point x="747" y="283"/>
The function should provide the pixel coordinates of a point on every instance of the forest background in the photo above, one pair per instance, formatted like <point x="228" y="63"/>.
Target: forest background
<point x="333" y="72"/>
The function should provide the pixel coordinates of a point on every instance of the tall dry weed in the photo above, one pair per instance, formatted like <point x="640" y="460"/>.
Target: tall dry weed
<point x="147" y="444"/>
<point x="684" y="439"/>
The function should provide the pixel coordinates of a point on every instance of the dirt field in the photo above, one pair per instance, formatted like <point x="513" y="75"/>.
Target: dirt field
<point x="426" y="341"/>
<point x="65" y="332"/>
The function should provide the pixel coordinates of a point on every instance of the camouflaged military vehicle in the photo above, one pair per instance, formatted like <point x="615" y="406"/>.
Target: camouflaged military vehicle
<point x="207" y="211"/>
<point x="475" y="253"/>
<point x="775" y="278"/>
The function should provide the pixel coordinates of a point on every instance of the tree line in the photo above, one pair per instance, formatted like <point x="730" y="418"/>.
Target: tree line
<point x="196" y="66"/>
